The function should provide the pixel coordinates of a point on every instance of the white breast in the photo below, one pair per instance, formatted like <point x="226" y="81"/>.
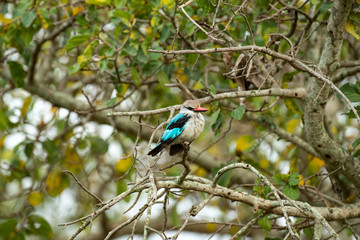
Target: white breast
<point x="193" y="128"/>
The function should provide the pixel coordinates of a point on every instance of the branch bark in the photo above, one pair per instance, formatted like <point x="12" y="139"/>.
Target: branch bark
<point x="334" y="155"/>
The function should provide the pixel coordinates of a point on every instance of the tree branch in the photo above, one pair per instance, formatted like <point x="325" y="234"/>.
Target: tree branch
<point x="296" y="93"/>
<point x="334" y="155"/>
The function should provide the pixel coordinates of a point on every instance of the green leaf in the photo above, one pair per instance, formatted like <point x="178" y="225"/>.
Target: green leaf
<point x="309" y="232"/>
<point x="131" y="50"/>
<point x="17" y="73"/>
<point x="355" y="143"/>
<point x="8" y="228"/>
<point x="224" y="180"/>
<point x="37" y="225"/>
<point x="325" y="6"/>
<point x="292" y="192"/>
<point x="90" y="48"/>
<point x="175" y="216"/>
<point x="265" y="223"/>
<point x="119" y="13"/>
<point x="52" y="150"/>
<point x="141" y="56"/>
<point x="351" y="114"/>
<point x="121" y="187"/>
<point x="111" y="102"/>
<point x="74" y="69"/>
<point x="29" y="148"/>
<point x="206" y="5"/>
<point x="294" y="179"/>
<point x="357" y="154"/>
<point x="214" y="116"/>
<point x="280" y="179"/>
<point x="135" y="76"/>
<point x="351" y="91"/>
<point x="27" y="18"/>
<point x="118" y="88"/>
<point x="120" y="3"/>
<point x="314" y="2"/>
<point x="163" y="78"/>
<point x="99" y="2"/>
<point x="4" y="120"/>
<point x="110" y="52"/>
<point x="216" y="121"/>
<point x="3" y="82"/>
<point x="238" y="113"/>
<point x="165" y="33"/>
<point x="103" y="64"/>
<point x="75" y="41"/>
<point x="98" y="145"/>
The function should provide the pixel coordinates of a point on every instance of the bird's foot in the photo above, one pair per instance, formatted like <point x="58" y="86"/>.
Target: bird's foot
<point x="186" y="171"/>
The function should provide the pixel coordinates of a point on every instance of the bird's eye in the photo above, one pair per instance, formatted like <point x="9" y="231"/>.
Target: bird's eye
<point x="190" y="108"/>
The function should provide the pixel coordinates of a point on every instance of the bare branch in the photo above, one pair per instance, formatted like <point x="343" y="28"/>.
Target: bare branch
<point x="296" y="93"/>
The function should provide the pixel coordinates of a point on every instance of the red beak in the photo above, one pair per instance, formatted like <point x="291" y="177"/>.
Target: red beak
<point x="200" y="109"/>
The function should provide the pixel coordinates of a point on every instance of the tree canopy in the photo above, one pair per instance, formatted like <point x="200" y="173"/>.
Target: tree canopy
<point x="88" y="86"/>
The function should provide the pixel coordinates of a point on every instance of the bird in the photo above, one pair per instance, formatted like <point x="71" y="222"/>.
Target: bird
<point x="183" y="128"/>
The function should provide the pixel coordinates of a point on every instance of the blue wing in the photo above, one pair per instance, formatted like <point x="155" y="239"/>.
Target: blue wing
<point x="175" y="127"/>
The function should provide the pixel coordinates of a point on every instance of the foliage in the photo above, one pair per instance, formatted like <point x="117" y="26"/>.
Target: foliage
<point x="64" y="65"/>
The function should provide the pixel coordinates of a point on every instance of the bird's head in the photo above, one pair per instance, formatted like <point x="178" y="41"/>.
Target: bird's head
<point x="193" y="106"/>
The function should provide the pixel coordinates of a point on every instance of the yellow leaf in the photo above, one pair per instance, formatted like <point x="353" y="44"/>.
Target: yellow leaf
<point x="25" y="106"/>
<point x="292" y="125"/>
<point x="198" y="85"/>
<point x="350" y="198"/>
<point x="81" y="59"/>
<point x="244" y="142"/>
<point x="301" y="180"/>
<point x="2" y="140"/>
<point x="154" y="21"/>
<point x="35" y="198"/>
<point x="54" y="110"/>
<point x="233" y="84"/>
<point x="45" y="24"/>
<point x="133" y="35"/>
<point x="200" y="172"/>
<point x="264" y="163"/>
<point x="168" y="3"/>
<point x="76" y="10"/>
<point x="7" y="154"/>
<point x="4" y="20"/>
<point x="72" y="160"/>
<point x="314" y="164"/>
<point x="234" y="229"/>
<point x="210" y="227"/>
<point x="180" y="74"/>
<point x="292" y="105"/>
<point x="334" y="130"/>
<point x="149" y="31"/>
<point x="350" y="28"/>
<point x="307" y="5"/>
<point x="56" y="182"/>
<point x="123" y="165"/>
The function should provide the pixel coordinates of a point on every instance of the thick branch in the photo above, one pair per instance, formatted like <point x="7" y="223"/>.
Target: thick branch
<point x="273" y="206"/>
<point x="38" y="45"/>
<point x="315" y="102"/>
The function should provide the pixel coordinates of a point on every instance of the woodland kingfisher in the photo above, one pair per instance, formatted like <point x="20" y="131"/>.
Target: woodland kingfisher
<point x="186" y="126"/>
